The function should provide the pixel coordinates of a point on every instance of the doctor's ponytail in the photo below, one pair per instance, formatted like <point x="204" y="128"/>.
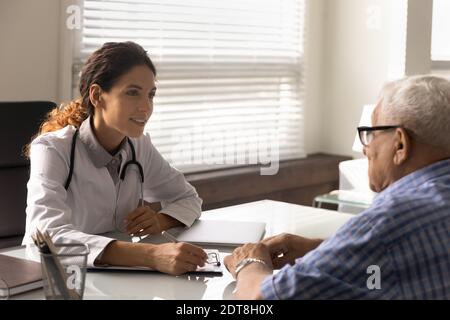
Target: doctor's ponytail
<point x="103" y="67"/>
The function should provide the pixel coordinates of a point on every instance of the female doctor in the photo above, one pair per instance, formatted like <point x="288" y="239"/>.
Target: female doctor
<point x="92" y="168"/>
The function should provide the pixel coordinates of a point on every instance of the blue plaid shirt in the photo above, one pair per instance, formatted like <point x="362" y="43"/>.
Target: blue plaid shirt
<point x="405" y="235"/>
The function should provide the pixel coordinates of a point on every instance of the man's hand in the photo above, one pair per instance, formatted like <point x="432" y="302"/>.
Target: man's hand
<point x="145" y="221"/>
<point x="249" y="250"/>
<point x="285" y="248"/>
<point x="251" y="276"/>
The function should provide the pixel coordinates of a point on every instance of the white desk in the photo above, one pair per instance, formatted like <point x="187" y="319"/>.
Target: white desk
<point x="279" y="217"/>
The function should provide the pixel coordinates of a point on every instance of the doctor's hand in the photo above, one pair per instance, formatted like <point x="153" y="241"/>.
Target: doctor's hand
<point x="145" y="221"/>
<point x="177" y="258"/>
<point x="285" y="248"/>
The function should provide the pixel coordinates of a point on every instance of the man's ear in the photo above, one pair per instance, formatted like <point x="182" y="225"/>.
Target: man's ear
<point x="402" y="145"/>
<point x="95" y="95"/>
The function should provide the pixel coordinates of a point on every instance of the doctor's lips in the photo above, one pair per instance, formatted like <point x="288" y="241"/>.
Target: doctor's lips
<point x="139" y="121"/>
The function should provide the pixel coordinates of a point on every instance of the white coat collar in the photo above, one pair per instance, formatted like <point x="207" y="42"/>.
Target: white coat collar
<point x="99" y="156"/>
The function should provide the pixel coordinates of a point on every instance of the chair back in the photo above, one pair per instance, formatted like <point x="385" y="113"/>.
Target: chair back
<point x="20" y="121"/>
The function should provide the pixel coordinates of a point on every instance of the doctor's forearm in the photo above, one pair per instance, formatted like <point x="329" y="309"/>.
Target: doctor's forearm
<point x="120" y="253"/>
<point x="168" y="222"/>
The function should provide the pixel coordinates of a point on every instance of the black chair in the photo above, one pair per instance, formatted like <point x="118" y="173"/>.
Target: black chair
<point x="19" y="122"/>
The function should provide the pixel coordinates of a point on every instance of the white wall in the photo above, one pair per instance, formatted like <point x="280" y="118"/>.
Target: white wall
<point x="418" y="51"/>
<point x="29" y="50"/>
<point x="358" y="36"/>
<point x="314" y="75"/>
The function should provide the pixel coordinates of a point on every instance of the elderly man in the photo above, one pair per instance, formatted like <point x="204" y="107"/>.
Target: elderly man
<point x="397" y="249"/>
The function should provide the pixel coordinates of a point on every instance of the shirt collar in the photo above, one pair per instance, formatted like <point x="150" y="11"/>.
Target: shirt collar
<point x="99" y="156"/>
<point x="417" y="178"/>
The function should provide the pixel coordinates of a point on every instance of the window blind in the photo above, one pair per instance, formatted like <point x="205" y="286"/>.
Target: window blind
<point x="230" y="75"/>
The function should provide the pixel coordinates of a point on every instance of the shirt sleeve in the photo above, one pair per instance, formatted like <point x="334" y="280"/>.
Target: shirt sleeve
<point x="345" y="266"/>
<point x="46" y="202"/>
<point x="164" y="183"/>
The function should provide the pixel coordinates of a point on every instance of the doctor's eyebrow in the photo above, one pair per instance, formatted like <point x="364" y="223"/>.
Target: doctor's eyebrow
<point x="135" y="86"/>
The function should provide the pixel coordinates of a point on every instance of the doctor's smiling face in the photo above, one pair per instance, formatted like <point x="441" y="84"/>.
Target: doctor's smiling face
<point x="117" y="86"/>
<point x="125" y="108"/>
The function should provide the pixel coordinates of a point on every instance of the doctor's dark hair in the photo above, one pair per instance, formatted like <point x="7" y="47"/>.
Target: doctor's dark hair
<point x="103" y="67"/>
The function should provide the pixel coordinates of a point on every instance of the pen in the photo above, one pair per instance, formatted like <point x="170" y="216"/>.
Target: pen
<point x="168" y="236"/>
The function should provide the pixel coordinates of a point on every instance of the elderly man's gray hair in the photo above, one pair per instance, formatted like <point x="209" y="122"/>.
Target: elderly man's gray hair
<point x="422" y="105"/>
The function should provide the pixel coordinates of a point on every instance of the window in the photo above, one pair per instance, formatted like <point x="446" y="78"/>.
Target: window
<point x="440" y="46"/>
<point x="230" y="75"/>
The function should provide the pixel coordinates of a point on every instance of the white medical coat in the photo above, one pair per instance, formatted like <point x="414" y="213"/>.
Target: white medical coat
<point x="85" y="210"/>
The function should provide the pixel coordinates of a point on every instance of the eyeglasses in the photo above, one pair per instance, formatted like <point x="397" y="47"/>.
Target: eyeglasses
<point x="366" y="133"/>
<point x="213" y="259"/>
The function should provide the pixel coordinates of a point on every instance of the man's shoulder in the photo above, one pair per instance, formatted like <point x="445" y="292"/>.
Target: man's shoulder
<point x="415" y="202"/>
<point x="373" y="220"/>
<point x="387" y="215"/>
<point x="403" y="213"/>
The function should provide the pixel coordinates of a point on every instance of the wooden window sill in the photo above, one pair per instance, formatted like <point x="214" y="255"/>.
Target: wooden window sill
<point x="297" y="181"/>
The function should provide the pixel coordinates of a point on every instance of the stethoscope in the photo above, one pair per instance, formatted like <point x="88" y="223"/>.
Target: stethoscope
<point x="133" y="161"/>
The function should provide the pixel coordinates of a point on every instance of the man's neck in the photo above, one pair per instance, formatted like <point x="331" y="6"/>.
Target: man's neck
<point x="421" y="157"/>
